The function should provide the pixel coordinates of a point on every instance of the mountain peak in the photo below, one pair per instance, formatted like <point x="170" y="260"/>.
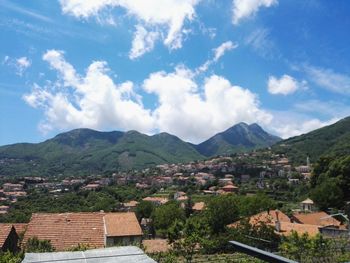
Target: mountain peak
<point x="238" y="138"/>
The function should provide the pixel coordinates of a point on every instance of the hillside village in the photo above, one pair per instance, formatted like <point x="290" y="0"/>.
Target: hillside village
<point x="191" y="187"/>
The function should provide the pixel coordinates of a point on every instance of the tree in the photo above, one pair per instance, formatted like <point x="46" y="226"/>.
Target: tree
<point x="164" y="216"/>
<point x="144" y="209"/>
<point x="188" y="206"/>
<point x="221" y="211"/>
<point x="35" y="245"/>
<point x="328" y="194"/>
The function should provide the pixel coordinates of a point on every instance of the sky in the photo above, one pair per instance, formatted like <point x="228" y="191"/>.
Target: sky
<point x="191" y="68"/>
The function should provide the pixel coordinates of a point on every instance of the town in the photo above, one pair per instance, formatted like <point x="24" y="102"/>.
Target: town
<point x="126" y="207"/>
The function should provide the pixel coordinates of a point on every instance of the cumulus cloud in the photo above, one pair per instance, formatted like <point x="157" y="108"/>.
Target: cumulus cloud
<point x="289" y="124"/>
<point x="328" y="79"/>
<point x="195" y="112"/>
<point x="245" y="8"/>
<point x="143" y="42"/>
<point x="93" y="100"/>
<point x="285" y="85"/>
<point x="168" y="16"/>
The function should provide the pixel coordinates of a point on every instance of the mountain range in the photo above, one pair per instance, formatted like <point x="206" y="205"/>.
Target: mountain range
<point x="86" y="151"/>
<point x="83" y="151"/>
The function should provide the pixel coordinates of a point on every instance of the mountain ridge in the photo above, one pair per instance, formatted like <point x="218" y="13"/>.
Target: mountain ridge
<point x="85" y="150"/>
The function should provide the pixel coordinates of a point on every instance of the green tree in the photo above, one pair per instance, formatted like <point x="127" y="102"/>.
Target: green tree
<point x="35" y="245"/>
<point x="221" y="211"/>
<point x="328" y="194"/>
<point x="144" y="209"/>
<point x="164" y="216"/>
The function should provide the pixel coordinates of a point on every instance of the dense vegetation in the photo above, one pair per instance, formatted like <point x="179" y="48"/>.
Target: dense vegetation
<point x="238" y="138"/>
<point x="85" y="151"/>
<point x="333" y="140"/>
<point x="108" y="199"/>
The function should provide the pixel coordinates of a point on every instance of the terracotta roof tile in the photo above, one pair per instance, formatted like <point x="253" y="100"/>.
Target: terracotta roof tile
<point x="316" y="218"/>
<point x="67" y="230"/>
<point x="20" y="228"/>
<point x="199" y="206"/>
<point x="5" y="230"/>
<point x="288" y="228"/>
<point x="122" y="224"/>
<point x="266" y="217"/>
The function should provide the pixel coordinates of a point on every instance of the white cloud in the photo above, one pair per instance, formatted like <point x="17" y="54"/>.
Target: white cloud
<point x="154" y="14"/>
<point x="143" y="42"/>
<point x="191" y="110"/>
<point x="195" y="112"/>
<point x="19" y="64"/>
<point x="260" y="41"/>
<point x="289" y="124"/>
<point x="245" y="8"/>
<point x="285" y="85"/>
<point x="328" y="79"/>
<point x="93" y="100"/>
<point x="218" y="53"/>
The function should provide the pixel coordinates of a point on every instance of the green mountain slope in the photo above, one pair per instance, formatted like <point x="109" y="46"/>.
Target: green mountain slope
<point x="238" y="138"/>
<point x="333" y="140"/>
<point x="84" y="151"/>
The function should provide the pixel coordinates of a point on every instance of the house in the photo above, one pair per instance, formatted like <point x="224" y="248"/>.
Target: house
<point x="199" y="206"/>
<point x="281" y="222"/>
<point x="8" y="238"/>
<point x="122" y="229"/>
<point x="97" y="230"/>
<point x="131" y="205"/>
<point x="8" y="187"/>
<point x="307" y="205"/>
<point x="230" y="188"/>
<point x="4" y="209"/>
<point x="316" y="218"/>
<point x="102" y="255"/>
<point x="91" y="187"/>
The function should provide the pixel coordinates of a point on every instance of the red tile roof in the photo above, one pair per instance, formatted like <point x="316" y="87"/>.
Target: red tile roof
<point x="67" y="230"/>
<point x="288" y="228"/>
<point x="269" y="218"/>
<point x="316" y="218"/>
<point x="5" y="230"/>
<point x="122" y="224"/>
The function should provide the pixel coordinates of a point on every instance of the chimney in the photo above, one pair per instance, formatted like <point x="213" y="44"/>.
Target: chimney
<point x="277" y="223"/>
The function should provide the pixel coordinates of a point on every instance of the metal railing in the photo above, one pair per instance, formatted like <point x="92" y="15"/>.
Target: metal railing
<point x="260" y="254"/>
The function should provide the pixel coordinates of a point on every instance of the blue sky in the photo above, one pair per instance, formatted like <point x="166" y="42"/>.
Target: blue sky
<point x="188" y="67"/>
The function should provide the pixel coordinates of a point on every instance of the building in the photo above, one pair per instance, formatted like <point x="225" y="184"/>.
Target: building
<point x="199" y="206"/>
<point x="122" y="229"/>
<point x="307" y="205"/>
<point x="281" y="222"/>
<point x="8" y="238"/>
<point x="130" y="206"/>
<point x="96" y="230"/>
<point x="316" y="218"/>
<point x="230" y="188"/>
<point x="104" y="255"/>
